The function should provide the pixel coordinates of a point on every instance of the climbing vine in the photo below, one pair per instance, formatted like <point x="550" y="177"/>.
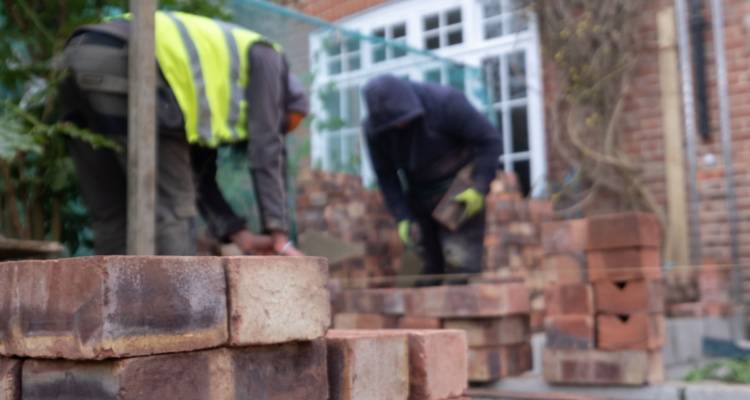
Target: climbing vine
<point x="593" y="48"/>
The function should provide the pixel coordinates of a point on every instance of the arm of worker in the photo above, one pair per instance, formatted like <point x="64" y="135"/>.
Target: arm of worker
<point x="265" y="99"/>
<point x="468" y="125"/>
<point x="388" y="180"/>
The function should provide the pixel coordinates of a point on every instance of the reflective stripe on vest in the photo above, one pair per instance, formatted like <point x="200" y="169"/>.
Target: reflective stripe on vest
<point x="205" y="63"/>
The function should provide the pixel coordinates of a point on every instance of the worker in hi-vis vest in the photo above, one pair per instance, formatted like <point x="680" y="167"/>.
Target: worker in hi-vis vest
<point x="218" y="84"/>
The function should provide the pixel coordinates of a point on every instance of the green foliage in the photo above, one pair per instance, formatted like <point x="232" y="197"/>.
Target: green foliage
<point x="38" y="191"/>
<point x="727" y="370"/>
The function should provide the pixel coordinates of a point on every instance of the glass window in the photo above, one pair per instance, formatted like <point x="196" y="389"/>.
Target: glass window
<point x="443" y="29"/>
<point x="520" y="129"/>
<point x="433" y="75"/>
<point x="393" y="33"/>
<point x="503" y="17"/>
<point x="342" y="55"/>
<point x="517" y="75"/>
<point x="431" y="22"/>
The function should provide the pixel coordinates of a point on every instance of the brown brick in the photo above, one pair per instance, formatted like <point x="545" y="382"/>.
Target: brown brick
<point x="616" y="231"/>
<point x="562" y="269"/>
<point x="624" y="264"/>
<point x="570" y="331"/>
<point x="101" y="307"/>
<point x="353" y="360"/>
<point x="277" y="299"/>
<point x="289" y="371"/>
<point x="492" y="331"/>
<point x="364" y="321"/>
<point x="10" y="379"/>
<point x="594" y="367"/>
<point x="408" y="322"/>
<point x="376" y="301"/>
<point x="573" y="299"/>
<point x="713" y="283"/>
<point x="564" y="237"/>
<point x="476" y="300"/>
<point x="630" y="332"/>
<point x="487" y="364"/>
<point x="438" y="364"/>
<point x="686" y="310"/>
<point x="629" y="297"/>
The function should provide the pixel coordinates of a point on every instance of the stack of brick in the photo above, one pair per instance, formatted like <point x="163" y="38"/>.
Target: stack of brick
<point x="713" y="293"/>
<point x="164" y="327"/>
<point x="610" y="328"/>
<point x="494" y="316"/>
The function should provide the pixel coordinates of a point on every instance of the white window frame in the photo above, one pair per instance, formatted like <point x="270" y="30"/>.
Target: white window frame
<point x="470" y="52"/>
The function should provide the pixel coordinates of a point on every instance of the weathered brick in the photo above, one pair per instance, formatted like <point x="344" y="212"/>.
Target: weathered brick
<point x="438" y="364"/>
<point x="594" y="367"/>
<point x="277" y="299"/>
<point x="10" y="379"/>
<point x="628" y="297"/>
<point x="630" y="332"/>
<point x="364" y="321"/>
<point x="476" y="300"/>
<point x="624" y="264"/>
<point x="101" y="307"/>
<point x="572" y="299"/>
<point x="562" y="269"/>
<point x="492" y="331"/>
<point x="290" y="371"/>
<point x="487" y="364"/>
<point x="409" y="322"/>
<point x="367" y="365"/>
<point x="570" y="331"/>
<point x="615" y="231"/>
<point x="563" y="237"/>
<point x="376" y="301"/>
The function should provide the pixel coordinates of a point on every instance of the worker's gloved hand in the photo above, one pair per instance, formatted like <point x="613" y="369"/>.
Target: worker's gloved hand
<point x="473" y="202"/>
<point x="404" y="231"/>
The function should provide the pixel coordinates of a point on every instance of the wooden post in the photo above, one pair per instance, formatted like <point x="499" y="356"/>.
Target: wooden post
<point x="678" y="243"/>
<point x="142" y="129"/>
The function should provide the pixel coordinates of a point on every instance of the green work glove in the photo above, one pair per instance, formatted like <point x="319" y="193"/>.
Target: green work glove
<point x="473" y="202"/>
<point x="404" y="231"/>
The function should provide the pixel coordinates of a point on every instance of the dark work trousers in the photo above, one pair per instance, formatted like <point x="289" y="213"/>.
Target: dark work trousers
<point x="444" y="251"/>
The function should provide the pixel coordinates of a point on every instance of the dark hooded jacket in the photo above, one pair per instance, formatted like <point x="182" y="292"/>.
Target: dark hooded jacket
<point x="420" y="135"/>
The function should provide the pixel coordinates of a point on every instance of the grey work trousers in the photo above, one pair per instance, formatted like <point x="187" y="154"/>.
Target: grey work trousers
<point x="102" y="176"/>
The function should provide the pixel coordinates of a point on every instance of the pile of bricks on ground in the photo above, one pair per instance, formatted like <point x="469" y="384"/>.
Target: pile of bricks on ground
<point x="495" y="317"/>
<point x="710" y="289"/>
<point x="605" y="321"/>
<point x="203" y="328"/>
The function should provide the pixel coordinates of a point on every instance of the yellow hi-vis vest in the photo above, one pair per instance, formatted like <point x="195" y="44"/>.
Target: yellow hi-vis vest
<point x="205" y="63"/>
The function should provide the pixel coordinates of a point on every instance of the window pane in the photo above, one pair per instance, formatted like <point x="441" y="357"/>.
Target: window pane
<point x="492" y="8"/>
<point x="523" y="172"/>
<point x="453" y="16"/>
<point x="352" y="44"/>
<point x="352" y="107"/>
<point x="497" y="117"/>
<point x="378" y="53"/>
<point x="520" y="129"/>
<point x="334" y="66"/>
<point x="334" y="151"/>
<point x="432" y="42"/>
<point x="456" y="78"/>
<point x="517" y="74"/>
<point x="513" y="5"/>
<point x="455" y="37"/>
<point x="332" y="101"/>
<point x="492" y="74"/>
<point x="379" y="32"/>
<point x="518" y="22"/>
<point x="353" y="62"/>
<point x="398" y="31"/>
<point x="352" y="159"/>
<point x="433" y="76"/>
<point x="332" y="46"/>
<point x="493" y="29"/>
<point x="431" y="22"/>
<point x="398" y="51"/>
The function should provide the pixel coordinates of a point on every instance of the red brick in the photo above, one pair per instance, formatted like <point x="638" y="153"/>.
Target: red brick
<point x="575" y="299"/>
<point x="562" y="237"/>
<point x="408" y="322"/>
<point x="629" y="297"/>
<point x="594" y="367"/>
<point x="101" y="307"/>
<point x="616" y="231"/>
<point x="376" y="301"/>
<point x="686" y="310"/>
<point x="570" y="331"/>
<point x="353" y="360"/>
<point x="277" y="299"/>
<point x="364" y="321"/>
<point x="482" y="332"/>
<point x="476" y="300"/>
<point x="295" y="371"/>
<point x="624" y="264"/>
<point x="10" y="379"/>
<point x="630" y="332"/>
<point x="562" y="269"/>
<point x="438" y="364"/>
<point x="487" y="364"/>
<point x="713" y="282"/>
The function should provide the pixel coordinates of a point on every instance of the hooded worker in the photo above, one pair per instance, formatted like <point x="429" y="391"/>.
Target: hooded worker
<point x="420" y="136"/>
<point x="219" y="84"/>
